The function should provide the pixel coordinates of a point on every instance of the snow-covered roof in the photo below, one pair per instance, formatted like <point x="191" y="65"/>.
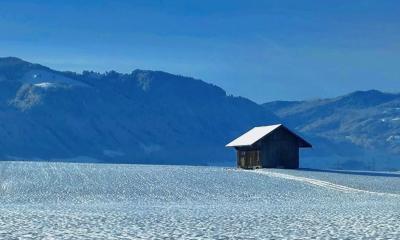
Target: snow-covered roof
<point x="252" y="136"/>
<point x="255" y="134"/>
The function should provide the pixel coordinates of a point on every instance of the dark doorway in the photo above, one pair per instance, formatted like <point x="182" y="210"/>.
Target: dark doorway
<point x="249" y="159"/>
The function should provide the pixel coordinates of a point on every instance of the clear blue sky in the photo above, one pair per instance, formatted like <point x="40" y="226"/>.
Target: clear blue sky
<point x="263" y="50"/>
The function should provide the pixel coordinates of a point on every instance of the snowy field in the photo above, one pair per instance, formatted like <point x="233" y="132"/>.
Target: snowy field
<point x="101" y="201"/>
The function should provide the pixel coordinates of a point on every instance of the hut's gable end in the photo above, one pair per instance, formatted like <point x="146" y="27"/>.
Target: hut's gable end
<point x="280" y="149"/>
<point x="282" y="133"/>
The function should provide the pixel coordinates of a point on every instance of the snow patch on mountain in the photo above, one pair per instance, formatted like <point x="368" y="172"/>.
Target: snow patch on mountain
<point x="150" y="148"/>
<point x="45" y="85"/>
<point x="43" y="79"/>
<point x="394" y="138"/>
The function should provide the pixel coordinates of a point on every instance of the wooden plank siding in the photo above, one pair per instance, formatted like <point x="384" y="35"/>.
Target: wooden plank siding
<point x="280" y="149"/>
<point x="273" y="146"/>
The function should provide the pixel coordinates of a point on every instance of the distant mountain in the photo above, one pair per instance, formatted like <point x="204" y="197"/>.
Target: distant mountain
<point x="141" y="117"/>
<point x="160" y="118"/>
<point x="361" y="129"/>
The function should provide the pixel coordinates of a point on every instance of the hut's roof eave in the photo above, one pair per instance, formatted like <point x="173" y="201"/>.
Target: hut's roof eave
<point x="252" y="136"/>
<point x="257" y="133"/>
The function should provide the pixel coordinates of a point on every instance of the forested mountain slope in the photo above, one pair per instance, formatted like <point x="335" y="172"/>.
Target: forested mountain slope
<point x="141" y="117"/>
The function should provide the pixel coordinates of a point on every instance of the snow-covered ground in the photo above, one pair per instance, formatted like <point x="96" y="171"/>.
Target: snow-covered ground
<point x="101" y="201"/>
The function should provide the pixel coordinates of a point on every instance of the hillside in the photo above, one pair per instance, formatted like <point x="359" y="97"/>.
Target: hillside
<point x="366" y="123"/>
<point x="160" y="118"/>
<point x="50" y="200"/>
<point x="141" y="117"/>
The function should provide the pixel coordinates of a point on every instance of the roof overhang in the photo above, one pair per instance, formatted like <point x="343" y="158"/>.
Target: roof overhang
<point x="252" y="136"/>
<point x="255" y="134"/>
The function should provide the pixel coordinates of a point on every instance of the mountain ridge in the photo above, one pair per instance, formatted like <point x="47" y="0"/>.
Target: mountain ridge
<point x="160" y="118"/>
<point x="366" y="119"/>
<point x="141" y="117"/>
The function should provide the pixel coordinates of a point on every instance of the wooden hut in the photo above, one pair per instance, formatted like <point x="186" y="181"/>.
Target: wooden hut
<point x="272" y="146"/>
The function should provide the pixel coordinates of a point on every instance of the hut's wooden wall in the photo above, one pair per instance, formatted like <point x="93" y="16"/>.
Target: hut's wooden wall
<point x="279" y="149"/>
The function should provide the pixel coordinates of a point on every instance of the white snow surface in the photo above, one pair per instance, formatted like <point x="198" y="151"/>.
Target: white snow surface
<point x="45" y="85"/>
<point x="103" y="201"/>
<point x="252" y="136"/>
<point x="45" y="79"/>
<point x="393" y="138"/>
